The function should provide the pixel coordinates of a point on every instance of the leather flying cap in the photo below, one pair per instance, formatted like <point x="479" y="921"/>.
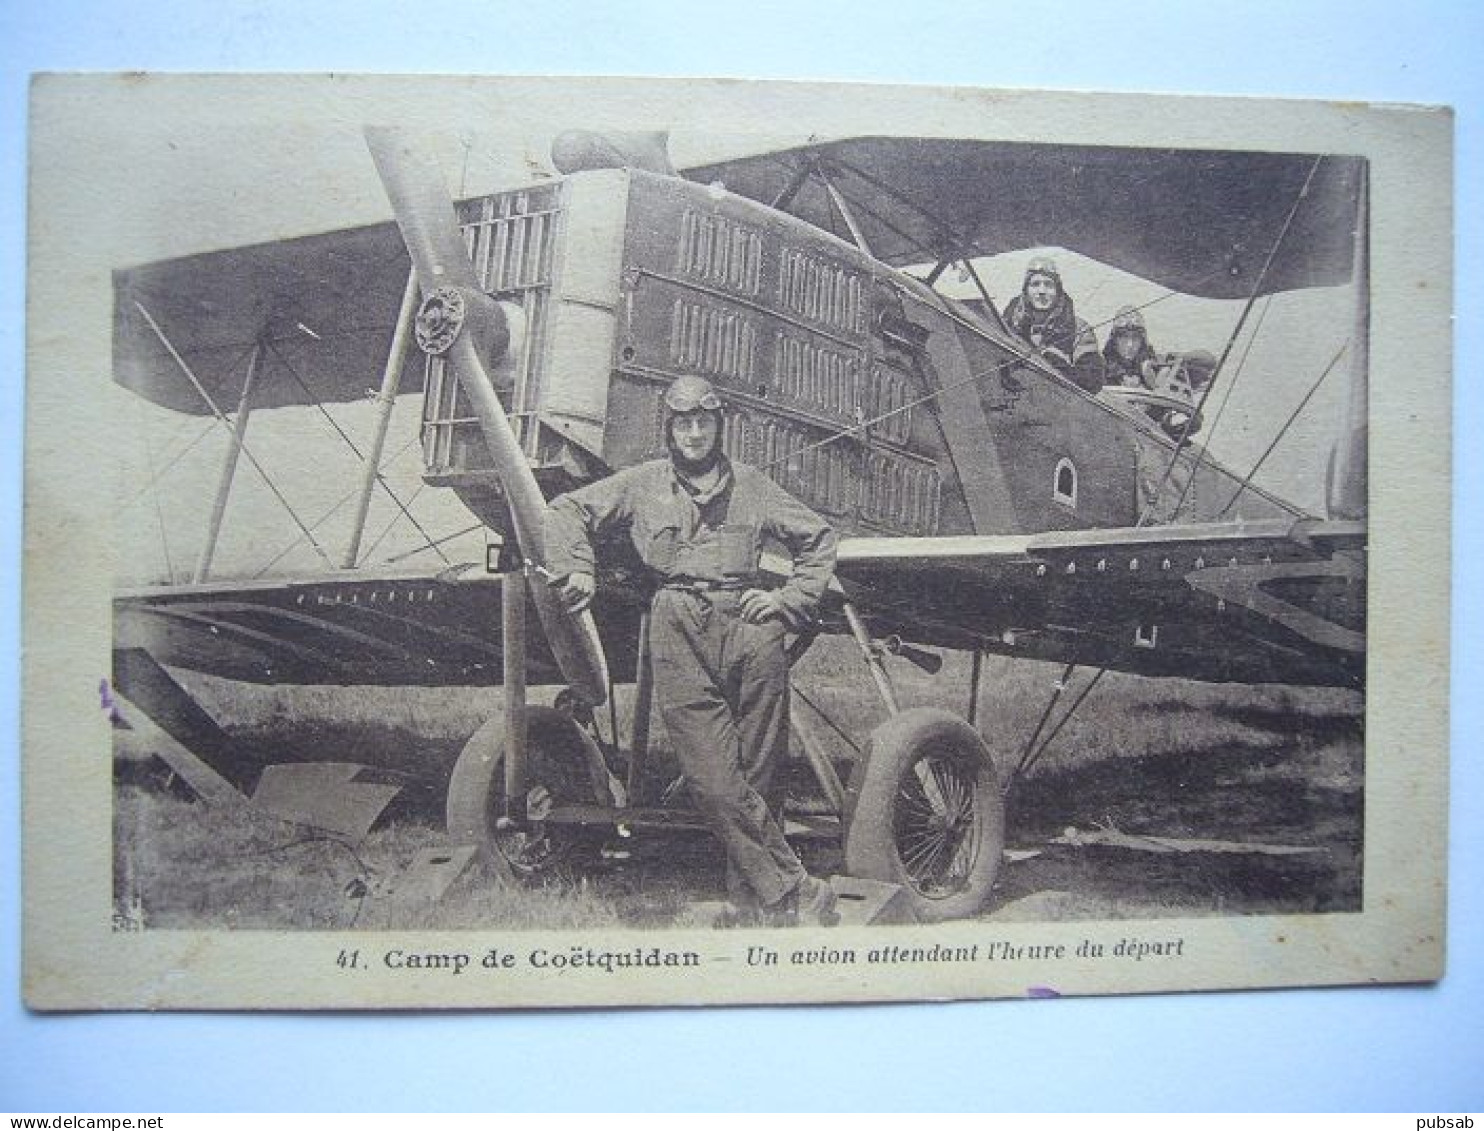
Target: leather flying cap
<point x="1128" y="318"/>
<point x="691" y="394"/>
<point x="1042" y="265"/>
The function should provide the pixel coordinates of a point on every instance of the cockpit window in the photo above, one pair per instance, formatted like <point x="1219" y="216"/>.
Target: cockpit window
<point x="1064" y="488"/>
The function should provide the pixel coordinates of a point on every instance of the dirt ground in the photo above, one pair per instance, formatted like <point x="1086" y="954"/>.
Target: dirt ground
<point x="1278" y="767"/>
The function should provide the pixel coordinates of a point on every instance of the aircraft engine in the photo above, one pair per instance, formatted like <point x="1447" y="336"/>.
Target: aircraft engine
<point x="628" y="278"/>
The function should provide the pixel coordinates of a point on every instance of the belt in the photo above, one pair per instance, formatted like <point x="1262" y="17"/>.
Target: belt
<point x="703" y="585"/>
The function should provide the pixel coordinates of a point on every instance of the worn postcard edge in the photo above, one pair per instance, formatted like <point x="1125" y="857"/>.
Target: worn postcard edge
<point x="74" y="960"/>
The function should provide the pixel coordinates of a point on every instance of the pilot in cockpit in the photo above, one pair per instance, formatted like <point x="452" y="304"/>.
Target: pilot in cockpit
<point x="1129" y="360"/>
<point x="1175" y="380"/>
<point x="1045" y="316"/>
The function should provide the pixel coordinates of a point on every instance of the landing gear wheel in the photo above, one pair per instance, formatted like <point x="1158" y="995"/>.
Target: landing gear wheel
<point x="928" y="814"/>
<point x="563" y="766"/>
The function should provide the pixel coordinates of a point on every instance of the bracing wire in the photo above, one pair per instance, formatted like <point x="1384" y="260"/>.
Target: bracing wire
<point x="434" y="545"/>
<point x="149" y="455"/>
<point x="391" y="524"/>
<point x="1226" y="396"/>
<point x="1030" y="743"/>
<point x="314" y="400"/>
<point x="238" y="440"/>
<point x="1287" y="424"/>
<point x="827" y="720"/>
<point x="171" y="461"/>
<point x="283" y="553"/>
<point x="1226" y="352"/>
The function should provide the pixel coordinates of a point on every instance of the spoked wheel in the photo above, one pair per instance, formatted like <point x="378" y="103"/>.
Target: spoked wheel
<point x="928" y="814"/>
<point x="934" y="824"/>
<point x="563" y="766"/>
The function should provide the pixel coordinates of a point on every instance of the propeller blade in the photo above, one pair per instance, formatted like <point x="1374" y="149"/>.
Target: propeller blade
<point x="429" y="224"/>
<point x="424" y="211"/>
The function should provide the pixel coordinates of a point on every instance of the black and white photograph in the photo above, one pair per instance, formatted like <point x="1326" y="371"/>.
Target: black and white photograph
<point x="566" y="542"/>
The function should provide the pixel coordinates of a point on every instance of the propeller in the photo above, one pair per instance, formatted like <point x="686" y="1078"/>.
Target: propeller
<point x="457" y="318"/>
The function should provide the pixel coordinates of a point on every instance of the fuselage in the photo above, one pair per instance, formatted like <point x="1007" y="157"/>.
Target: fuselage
<point x="886" y="406"/>
<point x="892" y="410"/>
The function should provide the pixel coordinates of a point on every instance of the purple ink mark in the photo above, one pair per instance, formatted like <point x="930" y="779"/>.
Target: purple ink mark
<point x="1041" y="992"/>
<point x="109" y="704"/>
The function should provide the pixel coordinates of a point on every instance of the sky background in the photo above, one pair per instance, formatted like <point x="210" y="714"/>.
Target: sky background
<point x="1399" y="1049"/>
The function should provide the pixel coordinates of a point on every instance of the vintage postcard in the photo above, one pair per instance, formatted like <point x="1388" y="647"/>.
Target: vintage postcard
<point x="509" y="543"/>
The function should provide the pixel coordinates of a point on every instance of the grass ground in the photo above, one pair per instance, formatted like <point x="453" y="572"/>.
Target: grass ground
<point x="1158" y="757"/>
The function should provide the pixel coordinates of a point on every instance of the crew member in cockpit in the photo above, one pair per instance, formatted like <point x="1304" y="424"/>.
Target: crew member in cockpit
<point x="1044" y="315"/>
<point x="1129" y="360"/>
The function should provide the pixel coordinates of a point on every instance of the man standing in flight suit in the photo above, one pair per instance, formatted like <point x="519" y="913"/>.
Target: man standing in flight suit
<point x="698" y="522"/>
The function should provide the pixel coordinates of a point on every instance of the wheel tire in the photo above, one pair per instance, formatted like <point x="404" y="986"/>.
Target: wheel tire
<point x="928" y="814"/>
<point x="560" y="757"/>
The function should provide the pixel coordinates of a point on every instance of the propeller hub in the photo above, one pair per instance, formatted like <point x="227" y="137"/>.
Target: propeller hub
<point x="448" y="311"/>
<point x="440" y="318"/>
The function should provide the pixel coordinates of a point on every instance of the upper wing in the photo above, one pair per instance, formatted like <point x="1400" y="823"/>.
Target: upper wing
<point x="326" y="305"/>
<point x="1257" y="602"/>
<point x="384" y="628"/>
<point x="1200" y="222"/>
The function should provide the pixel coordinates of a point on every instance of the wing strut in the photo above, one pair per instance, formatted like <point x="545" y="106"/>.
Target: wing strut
<point x="334" y="509"/>
<point x="229" y="464"/>
<point x="846" y="213"/>
<point x="1347" y="478"/>
<point x="1034" y="756"/>
<point x="312" y="400"/>
<point x="979" y="285"/>
<point x="391" y="378"/>
<point x="800" y="178"/>
<point x="225" y="423"/>
<point x="1030" y="743"/>
<point x="960" y="245"/>
<point x="814" y="168"/>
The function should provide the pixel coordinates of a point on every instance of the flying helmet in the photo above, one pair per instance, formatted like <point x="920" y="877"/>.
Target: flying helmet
<point x="691" y="394"/>
<point x="1128" y="320"/>
<point x="1043" y="265"/>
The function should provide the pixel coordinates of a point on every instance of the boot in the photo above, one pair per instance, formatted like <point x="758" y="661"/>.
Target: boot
<point x="811" y="904"/>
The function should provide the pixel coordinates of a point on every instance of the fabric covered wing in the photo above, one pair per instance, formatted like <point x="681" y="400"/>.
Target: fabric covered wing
<point x="384" y="629"/>
<point x="326" y="306"/>
<point x="1200" y="222"/>
<point x="1265" y="602"/>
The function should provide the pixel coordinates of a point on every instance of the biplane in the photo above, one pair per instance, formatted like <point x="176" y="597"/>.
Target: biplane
<point x="987" y="504"/>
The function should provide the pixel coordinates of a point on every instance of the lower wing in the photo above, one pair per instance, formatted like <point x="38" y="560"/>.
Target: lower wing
<point x="1278" y="601"/>
<point x="388" y="628"/>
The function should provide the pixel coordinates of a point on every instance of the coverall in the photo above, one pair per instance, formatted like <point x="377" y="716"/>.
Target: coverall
<point x="721" y="684"/>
